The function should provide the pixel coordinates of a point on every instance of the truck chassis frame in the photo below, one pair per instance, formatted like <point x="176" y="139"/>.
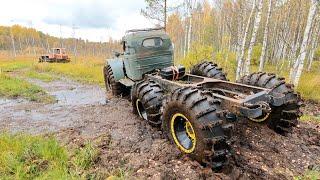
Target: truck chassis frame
<point x="239" y="99"/>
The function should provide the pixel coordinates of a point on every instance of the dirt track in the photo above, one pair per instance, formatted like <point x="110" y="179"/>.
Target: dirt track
<point x="127" y="142"/>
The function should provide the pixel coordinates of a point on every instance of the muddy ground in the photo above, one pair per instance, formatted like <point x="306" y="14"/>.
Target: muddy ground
<point x="128" y="143"/>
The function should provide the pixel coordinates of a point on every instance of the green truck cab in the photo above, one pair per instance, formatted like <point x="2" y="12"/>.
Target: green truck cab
<point x="143" y="52"/>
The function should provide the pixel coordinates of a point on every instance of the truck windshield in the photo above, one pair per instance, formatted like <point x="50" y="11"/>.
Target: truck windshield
<point x="152" y="42"/>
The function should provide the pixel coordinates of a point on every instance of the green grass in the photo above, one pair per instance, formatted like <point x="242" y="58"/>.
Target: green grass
<point x="29" y="157"/>
<point x="119" y="174"/>
<point x="308" y="118"/>
<point x="309" y="175"/>
<point x="25" y="156"/>
<point x="14" y="65"/>
<point x="84" y="158"/>
<point x="12" y="87"/>
<point x="84" y="70"/>
<point x="41" y="76"/>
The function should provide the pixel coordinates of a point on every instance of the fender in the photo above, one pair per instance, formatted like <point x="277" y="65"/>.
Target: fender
<point x="117" y="68"/>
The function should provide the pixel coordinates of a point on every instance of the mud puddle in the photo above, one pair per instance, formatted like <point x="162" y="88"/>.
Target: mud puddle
<point x="130" y="144"/>
<point x="23" y="115"/>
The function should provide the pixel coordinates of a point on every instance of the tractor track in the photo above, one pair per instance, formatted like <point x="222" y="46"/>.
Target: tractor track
<point x="126" y="142"/>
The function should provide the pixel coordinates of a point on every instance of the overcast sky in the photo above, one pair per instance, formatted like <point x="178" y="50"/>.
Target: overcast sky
<point x="95" y="20"/>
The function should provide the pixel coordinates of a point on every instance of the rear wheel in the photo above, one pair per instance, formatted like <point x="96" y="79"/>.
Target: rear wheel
<point x="282" y="118"/>
<point x="194" y="122"/>
<point x="208" y="69"/>
<point x="146" y="98"/>
<point x="111" y="84"/>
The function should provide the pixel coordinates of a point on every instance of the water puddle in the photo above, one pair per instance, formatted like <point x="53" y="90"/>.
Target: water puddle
<point x="20" y="114"/>
<point x="70" y="93"/>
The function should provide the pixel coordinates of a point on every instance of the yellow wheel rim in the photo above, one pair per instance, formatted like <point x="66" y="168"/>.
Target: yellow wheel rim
<point x="183" y="133"/>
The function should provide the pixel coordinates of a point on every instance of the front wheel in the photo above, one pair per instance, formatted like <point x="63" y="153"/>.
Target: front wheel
<point x="194" y="122"/>
<point x="111" y="84"/>
<point x="146" y="98"/>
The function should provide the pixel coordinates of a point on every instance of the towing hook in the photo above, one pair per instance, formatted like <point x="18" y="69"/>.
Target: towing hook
<point x="257" y="111"/>
<point x="265" y="107"/>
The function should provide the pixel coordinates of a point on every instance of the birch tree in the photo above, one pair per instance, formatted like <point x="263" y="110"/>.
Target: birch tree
<point x="253" y="38"/>
<point x="13" y="44"/>
<point x="240" y="61"/>
<point x="190" y="5"/>
<point x="298" y="66"/>
<point x="314" y="43"/>
<point x="265" y="38"/>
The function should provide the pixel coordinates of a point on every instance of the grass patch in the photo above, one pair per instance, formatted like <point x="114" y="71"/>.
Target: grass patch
<point x="83" y="70"/>
<point x="14" y="65"/>
<point x="309" y="85"/>
<point x="28" y="157"/>
<point x="119" y="174"/>
<point x="84" y="158"/>
<point x="13" y="88"/>
<point x="41" y="76"/>
<point x="35" y="157"/>
<point x="309" y="175"/>
<point x="309" y="118"/>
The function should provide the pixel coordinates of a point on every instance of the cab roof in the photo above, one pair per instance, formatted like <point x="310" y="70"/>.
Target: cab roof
<point x="137" y="34"/>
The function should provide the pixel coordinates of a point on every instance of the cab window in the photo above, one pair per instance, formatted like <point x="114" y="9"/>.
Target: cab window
<point x="152" y="42"/>
<point x="57" y="51"/>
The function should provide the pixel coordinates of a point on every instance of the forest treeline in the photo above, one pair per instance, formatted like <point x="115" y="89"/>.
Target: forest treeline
<point x="246" y="33"/>
<point x="17" y="40"/>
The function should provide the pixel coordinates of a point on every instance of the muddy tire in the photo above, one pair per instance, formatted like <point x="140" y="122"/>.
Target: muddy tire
<point x="208" y="69"/>
<point x="195" y="123"/>
<point x="146" y="98"/>
<point x="111" y="84"/>
<point x="283" y="118"/>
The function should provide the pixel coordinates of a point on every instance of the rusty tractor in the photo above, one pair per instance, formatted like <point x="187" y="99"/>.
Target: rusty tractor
<point x="57" y="55"/>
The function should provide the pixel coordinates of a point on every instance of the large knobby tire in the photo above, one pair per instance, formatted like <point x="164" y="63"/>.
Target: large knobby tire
<point x="195" y="123"/>
<point x="283" y="118"/>
<point x="208" y="69"/>
<point x="146" y="98"/>
<point x="111" y="84"/>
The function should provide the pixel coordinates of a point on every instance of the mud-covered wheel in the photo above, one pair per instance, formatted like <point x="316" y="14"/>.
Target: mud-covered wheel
<point x="208" y="69"/>
<point x="146" y="98"/>
<point x="195" y="123"/>
<point x="111" y="84"/>
<point x="283" y="118"/>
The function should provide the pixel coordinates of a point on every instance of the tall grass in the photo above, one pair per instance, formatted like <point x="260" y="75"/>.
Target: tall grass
<point x="25" y="156"/>
<point x="14" y="65"/>
<point x="28" y="157"/>
<point x="84" y="70"/>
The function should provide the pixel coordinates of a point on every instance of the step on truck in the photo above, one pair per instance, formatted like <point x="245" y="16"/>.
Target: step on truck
<point x="197" y="110"/>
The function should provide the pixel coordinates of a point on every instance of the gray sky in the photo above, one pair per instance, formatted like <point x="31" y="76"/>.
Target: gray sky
<point x="95" y="20"/>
